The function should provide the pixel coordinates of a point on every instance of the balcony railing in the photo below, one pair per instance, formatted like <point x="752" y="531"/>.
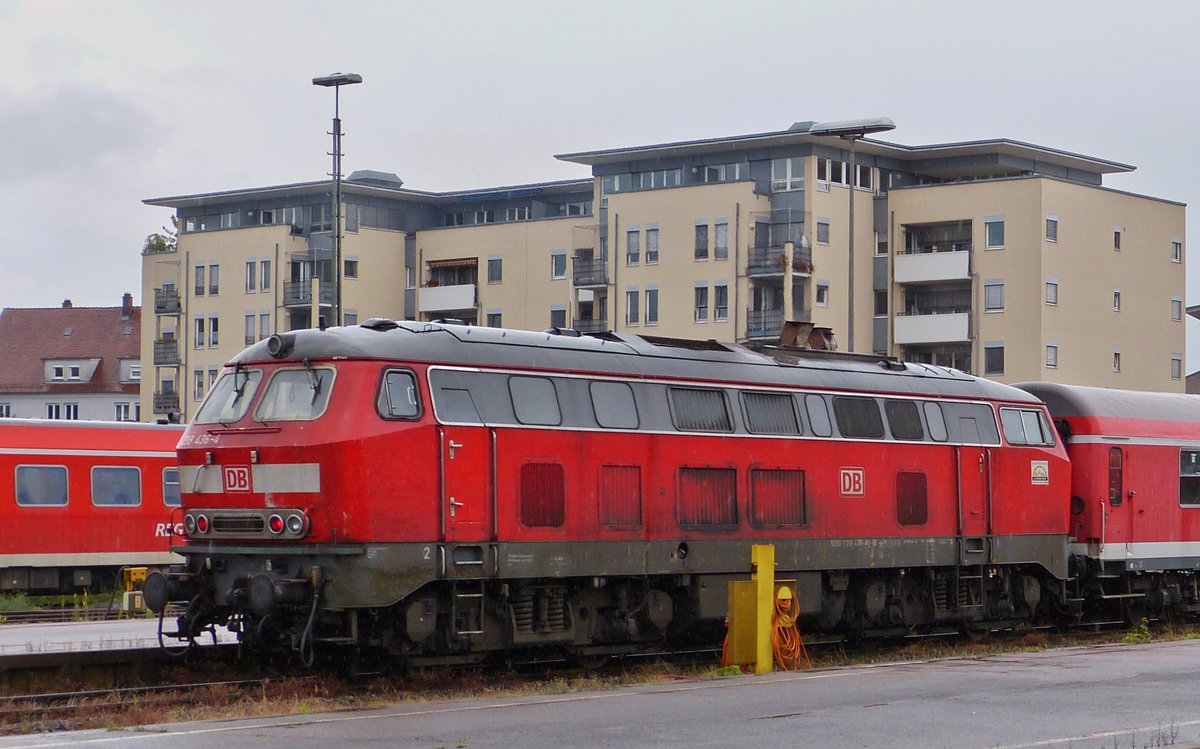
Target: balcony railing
<point x="591" y="273"/>
<point x="764" y="323"/>
<point x="937" y="325"/>
<point x="166" y="302"/>
<point x="166" y="352"/>
<point x="592" y="326"/>
<point x="454" y="298"/>
<point x="299" y="293"/>
<point x="768" y="261"/>
<point x="166" y="401"/>
<point x="919" y="247"/>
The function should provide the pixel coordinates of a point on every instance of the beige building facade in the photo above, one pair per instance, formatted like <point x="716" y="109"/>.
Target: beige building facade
<point x="1001" y="258"/>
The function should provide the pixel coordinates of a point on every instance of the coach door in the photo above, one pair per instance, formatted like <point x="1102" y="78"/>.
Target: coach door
<point x="467" y="478"/>
<point x="973" y="491"/>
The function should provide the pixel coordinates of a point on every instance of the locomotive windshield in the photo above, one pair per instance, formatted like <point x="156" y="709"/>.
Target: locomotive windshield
<point x="230" y="397"/>
<point x="295" y="395"/>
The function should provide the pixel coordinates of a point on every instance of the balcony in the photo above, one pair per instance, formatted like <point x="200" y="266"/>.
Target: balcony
<point x="166" y="352"/>
<point x="299" y="293"/>
<point x="768" y="261"/>
<point x="592" y="326"/>
<point x="447" y="298"/>
<point x="937" y="326"/>
<point x="166" y="401"/>
<point x="934" y="266"/>
<point x="591" y="272"/>
<point x="166" y="301"/>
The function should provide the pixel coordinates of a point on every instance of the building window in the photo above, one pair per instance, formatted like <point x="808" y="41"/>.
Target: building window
<point x="652" y="306"/>
<point x="701" y="304"/>
<point x="993" y="359"/>
<point x="831" y="171"/>
<point x="1176" y="367"/>
<point x="1116" y="300"/>
<point x="494" y="319"/>
<point x="633" y="250"/>
<point x="881" y="304"/>
<point x="701" y="242"/>
<point x="71" y="411"/>
<point x="558" y="316"/>
<point x="198" y="384"/>
<point x="485" y="216"/>
<point x="251" y="276"/>
<point x="410" y="277"/>
<point x="214" y="279"/>
<point x="994" y="233"/>
<point x="519" y="213"/>
<point x="1116" y="361"/>
<point x="212" y="332"/>
<point x="1052" y="292"/>
<point x="200" y="286"/>
<point x="1052" y="355"/>
<point x="350" y="269"/>
<point x="822" y="294"/>
<point x="58" y="372"/>
<point x="249" y="332"/>
<point x="73" y="372"/>
<point x="1116" y="239"/>
<point x="1176" y="308"/>
<point x="1051" y="228"/>
<point x="720" y="302"/>
<point x="264" y="275"/>
<point x="53" y="410"/>
<point x="993" y="296"/>
<point x="787" y="174"/>
<point x="1177" y="250"/>
<point x="721" y="241"/>
<point x="651" y="246"/>
<point x="5" y="410"/>
<point x="631" y="307"/>
<point x="862" y="179"/>
<point x="264" y="325"/>
<point x="822" y="231"/>
<point x="495" y="270"/>
<point x="558" y="265"/>
<point x="198" y="339"/>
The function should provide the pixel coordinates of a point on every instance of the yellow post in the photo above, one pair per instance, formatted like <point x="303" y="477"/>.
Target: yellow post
<point x="762" y="558"/>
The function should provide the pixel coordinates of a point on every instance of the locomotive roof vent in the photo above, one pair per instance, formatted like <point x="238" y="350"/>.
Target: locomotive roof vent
<point x="569" y="332"/>
<point x="380" y="324"/>
<point x="893" y="364"/>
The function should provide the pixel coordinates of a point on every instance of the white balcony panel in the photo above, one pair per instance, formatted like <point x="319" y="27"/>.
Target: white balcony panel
<point x="447" y="298"/>
<point x="952" y="328"/>
<point x="929" y="267"/>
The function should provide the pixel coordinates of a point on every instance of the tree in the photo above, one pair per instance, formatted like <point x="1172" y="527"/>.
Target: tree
<point x="165" y="241"/>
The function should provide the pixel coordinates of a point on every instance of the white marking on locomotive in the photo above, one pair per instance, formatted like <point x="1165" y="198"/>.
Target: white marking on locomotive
<point x="853" y="482"/>
<point x="274" y="478"/>
<point x="236" y="478"/>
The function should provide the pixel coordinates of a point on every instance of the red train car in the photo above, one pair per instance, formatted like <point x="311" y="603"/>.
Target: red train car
<point x="80" y="499"/>
<point x="438" y="489"/>
<point x="1135" y="494"/>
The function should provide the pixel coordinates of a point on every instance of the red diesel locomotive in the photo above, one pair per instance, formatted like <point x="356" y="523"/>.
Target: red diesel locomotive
<point x="441" y="490"/>
<point x="81" y="499"/>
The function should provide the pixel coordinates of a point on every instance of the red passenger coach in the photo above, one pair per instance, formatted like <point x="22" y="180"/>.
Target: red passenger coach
<point x="80" y="499"/>
<point x="1135" y="493"/>
<point x="443" y="490"/>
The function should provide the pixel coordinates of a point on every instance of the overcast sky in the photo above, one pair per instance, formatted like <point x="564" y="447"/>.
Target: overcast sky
<point x="104" y="104"/>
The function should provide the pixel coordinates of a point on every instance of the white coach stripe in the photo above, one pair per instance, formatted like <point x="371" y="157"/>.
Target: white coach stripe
<point x="96" y="453"/>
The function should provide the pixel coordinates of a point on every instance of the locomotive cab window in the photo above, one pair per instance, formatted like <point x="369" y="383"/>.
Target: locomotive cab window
<point x="698" y="410"/>
<point x="171" y="487"/>
<point x="534" y="401"/>
<point x="904" y="420"/>
<point x="858" y="417"/>
<point x="770" y="413"/>
<point x="1189" y="478"/>
<point x="229" y="399"/>
<point x="116" y="486"/>
<point x="818" y="415"/>
<point x="295" y="395"/>
<point x="936" y="421"/>
<point x="398" y="396"/>
<point x="1025" y="426"/>
<point x="614" y="405"/>
<point x="41" y="486"/>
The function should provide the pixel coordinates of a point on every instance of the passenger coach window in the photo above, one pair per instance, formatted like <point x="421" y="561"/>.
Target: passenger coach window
<point x="904" y="420"/>
<point x="858" y="417"/>
<point x="171" y="487"/>
<point x="1189" y="477"/>
<point x="116" y="486"/>
<point x="818" y="415"/>
<point x="534" y="400"/>
<point x="230" y="397"/>
<point x="398" y="396"/>
<point x="770" y="413"/>
<point x="41" y="486"/>
<point x="1025" y="427"/>
<point x="295" y="395"/>
<point x="936" y="422"/>
<point x="696" y="410"/>
<point x="614" y="405"/>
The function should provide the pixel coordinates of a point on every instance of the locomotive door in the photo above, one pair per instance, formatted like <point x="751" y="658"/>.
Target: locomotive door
<point x="974" y="516"/>
<point x="467" y="476"/>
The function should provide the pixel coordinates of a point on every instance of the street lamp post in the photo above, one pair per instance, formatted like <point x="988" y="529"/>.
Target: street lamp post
<point x="336" y="81"/>
<point x="852" y="131"/>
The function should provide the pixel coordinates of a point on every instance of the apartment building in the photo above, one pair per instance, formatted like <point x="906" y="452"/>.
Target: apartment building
<point x="1001" y="258"/>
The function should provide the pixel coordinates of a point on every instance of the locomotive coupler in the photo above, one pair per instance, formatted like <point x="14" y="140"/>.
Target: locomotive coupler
<point x="161" y="589"/>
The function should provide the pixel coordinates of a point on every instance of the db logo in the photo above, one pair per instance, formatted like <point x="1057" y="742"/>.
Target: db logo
<point x="854" y="482"/>
<point x="236" y="478"/>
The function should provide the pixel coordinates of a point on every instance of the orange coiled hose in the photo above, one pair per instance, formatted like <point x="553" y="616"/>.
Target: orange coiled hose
<point x="786" y="641"/>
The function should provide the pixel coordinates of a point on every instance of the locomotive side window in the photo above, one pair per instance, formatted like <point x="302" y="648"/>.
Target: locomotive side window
<point x="295" y="395"/>
<point x="1025" y="427"/>
<point x="534" y="400"/>
<point x="770" y="413"/>
<point x="777" y="497"/>
<point x="936" y="422"/>
<point x="116" y="486"/>
<point x="543" y="495"/>
<point x="697" y="410"/>
<point x="171" y="487"/>
<point x="707" y="497"/>
<point x="858" y="417"/>
<point x="1189" y="477"/>
<point x="1116" y="477"/>
<point x="818" y="415"/>
<point x="455" y="405"/>
<point x="911" y="505"/>
<point x="621" y="496"/>
<point x="904" y="420"/>
<point x="41" y="486"/>
<point x="971" y="423"/>
<point x="614" y="405"/>
<point x="229" y="399"/>
<point x="398" y="396"/>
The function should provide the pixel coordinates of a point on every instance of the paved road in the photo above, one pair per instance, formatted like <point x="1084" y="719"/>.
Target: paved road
<point x="1081" y="698"/>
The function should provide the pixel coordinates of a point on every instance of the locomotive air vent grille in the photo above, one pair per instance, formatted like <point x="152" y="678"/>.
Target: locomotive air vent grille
<point x="239" y="524"/>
